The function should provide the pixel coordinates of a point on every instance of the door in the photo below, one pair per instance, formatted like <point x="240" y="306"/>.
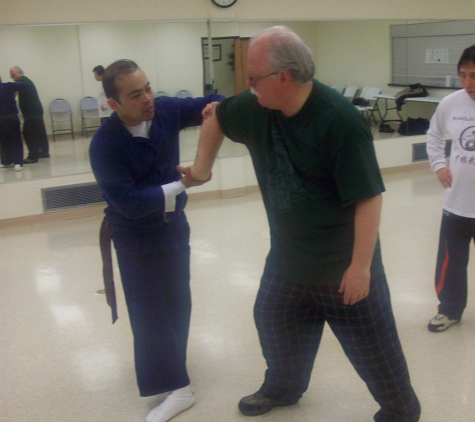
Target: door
<point x="241" y="47"/>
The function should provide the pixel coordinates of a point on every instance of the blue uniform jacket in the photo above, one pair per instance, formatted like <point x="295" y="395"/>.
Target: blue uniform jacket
<point x="7" y="97"/>
<point x="130" y="170"/>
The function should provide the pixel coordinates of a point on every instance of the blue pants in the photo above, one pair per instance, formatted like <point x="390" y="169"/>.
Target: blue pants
<point x="156" y="283"/>
<point x="456" y="233"/>
<point x="290" y="319"/>
<point x="34" y="133"/>
<point x="11" y="145"/>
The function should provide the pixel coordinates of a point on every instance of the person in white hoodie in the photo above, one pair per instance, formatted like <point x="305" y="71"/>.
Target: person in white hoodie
<point x="455" y="116"/>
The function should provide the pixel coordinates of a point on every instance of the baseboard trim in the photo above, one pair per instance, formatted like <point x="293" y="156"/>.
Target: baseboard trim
<point x="47" y="217"/>
<point x="94" y="210"/>
<point x="418" y="166"/>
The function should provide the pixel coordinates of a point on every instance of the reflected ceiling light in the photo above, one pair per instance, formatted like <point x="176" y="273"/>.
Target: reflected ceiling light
<point x="67" y="315"/>
<point x="98" y="368"/>
<point x="47" y="282"/>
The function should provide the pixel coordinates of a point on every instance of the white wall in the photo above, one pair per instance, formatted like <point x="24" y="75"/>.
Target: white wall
<point x="354" y="52"/>
<point x="60" y="59"/>
<point x="87" y="11"/>
<point x="49" y="55"/>
<point x="178" y="58"/>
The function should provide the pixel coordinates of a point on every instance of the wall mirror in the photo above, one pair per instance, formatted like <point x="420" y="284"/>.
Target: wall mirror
<point x="59" y="59"/>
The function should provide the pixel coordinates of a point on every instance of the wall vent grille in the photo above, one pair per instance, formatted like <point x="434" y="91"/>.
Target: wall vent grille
<point x="71" y="196"/>
<point x="419" y="152"/>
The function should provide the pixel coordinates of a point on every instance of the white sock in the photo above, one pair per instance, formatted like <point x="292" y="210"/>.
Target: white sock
<point x="177" y="401"/>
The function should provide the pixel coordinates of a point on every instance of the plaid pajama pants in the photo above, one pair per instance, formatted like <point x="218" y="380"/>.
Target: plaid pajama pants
<point x="290" y="319"/>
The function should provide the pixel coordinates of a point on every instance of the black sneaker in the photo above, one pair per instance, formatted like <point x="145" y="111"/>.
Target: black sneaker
<point x="46" y="155"/>
<point x="384" y="128"/>
<point x="256" y="404"/>
<point x="389" y="129"/>
<point x="440" y="323"/>
<point x="29" y="161"/>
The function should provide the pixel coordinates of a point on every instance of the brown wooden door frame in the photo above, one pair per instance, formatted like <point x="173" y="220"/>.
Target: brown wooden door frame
<point x="241" y="47"/>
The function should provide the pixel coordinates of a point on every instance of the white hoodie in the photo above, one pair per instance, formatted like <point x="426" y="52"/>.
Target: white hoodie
<point x="455" y="115"/>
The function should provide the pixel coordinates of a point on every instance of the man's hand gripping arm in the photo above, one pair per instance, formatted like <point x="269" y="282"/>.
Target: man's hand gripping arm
<point x="356" y="280"/>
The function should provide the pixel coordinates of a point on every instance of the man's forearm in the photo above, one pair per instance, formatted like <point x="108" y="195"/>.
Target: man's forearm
<point x="367" y="218"/>
<point x="209" y="143"/>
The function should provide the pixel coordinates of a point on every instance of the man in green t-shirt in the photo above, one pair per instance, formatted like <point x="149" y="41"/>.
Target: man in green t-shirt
<point x="316" y="167"/>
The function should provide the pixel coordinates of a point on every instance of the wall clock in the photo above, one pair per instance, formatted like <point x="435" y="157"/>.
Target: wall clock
<point x="224" y="3"/>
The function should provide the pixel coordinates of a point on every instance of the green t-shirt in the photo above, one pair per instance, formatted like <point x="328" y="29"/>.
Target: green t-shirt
<point x="29" y="101"/>
<point x="312" y="168"/>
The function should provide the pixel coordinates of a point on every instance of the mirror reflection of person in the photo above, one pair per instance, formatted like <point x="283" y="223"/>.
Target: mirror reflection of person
<point x="134" y="155"/>
<point x="11" y="144"/>
<point x="34" y="130"/>
<point x="104" y="110"/>
<point x="316" y="166"/>
<point x="455" y="115"/>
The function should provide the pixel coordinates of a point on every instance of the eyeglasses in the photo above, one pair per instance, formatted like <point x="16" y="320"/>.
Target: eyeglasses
<point x="253" y="81"/>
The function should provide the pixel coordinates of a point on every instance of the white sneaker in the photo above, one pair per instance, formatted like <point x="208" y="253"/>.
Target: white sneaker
<point x="18" y="167"/>
<point x="176" y="402"/>
<point x="440" y="323"/>
<point x="6" y="166"/>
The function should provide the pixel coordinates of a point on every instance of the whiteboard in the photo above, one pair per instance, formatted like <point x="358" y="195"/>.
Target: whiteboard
<point x="428" y="53"/>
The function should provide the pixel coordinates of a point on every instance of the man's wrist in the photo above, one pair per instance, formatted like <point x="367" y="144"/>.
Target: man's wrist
<point x="195" y="174"/>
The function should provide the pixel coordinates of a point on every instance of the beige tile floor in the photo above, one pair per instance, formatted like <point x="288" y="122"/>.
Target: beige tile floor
<point x="62" y="360"/>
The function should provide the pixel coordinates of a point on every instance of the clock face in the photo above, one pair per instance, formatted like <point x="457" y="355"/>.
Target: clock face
<point x="224" y="3"/>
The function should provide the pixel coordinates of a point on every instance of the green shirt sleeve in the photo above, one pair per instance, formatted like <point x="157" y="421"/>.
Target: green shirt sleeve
<point x="238" y="116"/>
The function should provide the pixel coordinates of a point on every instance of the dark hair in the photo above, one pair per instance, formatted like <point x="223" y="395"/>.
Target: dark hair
<point x="99" y="70"/>
<point x="467" y="57"/>
<point x="113" y="72"/>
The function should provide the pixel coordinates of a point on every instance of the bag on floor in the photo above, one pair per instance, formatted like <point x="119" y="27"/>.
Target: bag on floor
<point x="411" y="126"/>
<point x="361" y="102"/>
